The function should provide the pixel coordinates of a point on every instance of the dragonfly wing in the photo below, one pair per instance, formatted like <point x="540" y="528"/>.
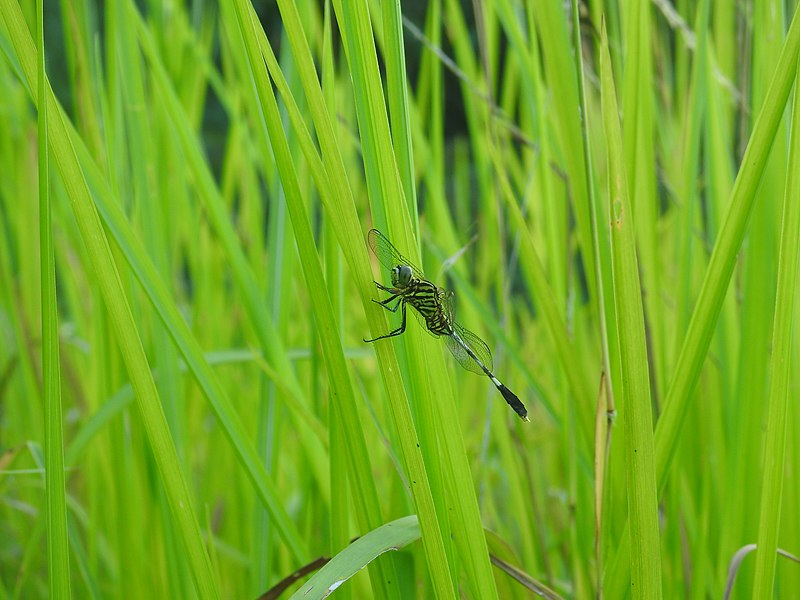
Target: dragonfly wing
<point x="421" y="321"/>
<point x="472" y="341"/>
<point x="461" y="356"/>
<point x="387" y="254"/>
<point x="478" y="346"/>
<point x="475" y="344"/>
<point x="448" y="301"/>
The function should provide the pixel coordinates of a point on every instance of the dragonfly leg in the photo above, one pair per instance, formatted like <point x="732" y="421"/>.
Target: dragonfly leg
<point x="394" y="332"/>
<point x="383" y="303"/>
<point x="380" y="286"/>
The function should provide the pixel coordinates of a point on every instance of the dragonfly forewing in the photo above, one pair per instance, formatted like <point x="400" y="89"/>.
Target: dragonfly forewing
<point x="388" y="255"/>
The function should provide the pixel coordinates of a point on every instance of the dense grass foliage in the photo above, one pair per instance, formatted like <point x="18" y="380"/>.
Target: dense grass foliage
<point x="187" y="405"/>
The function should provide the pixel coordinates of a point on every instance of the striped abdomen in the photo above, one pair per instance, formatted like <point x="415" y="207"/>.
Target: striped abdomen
<point x="426" y="299"/>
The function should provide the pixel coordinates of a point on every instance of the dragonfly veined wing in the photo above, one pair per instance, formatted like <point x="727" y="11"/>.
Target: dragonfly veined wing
<point x="448" y="299"/>
<point x="389" y="256"/>
<point x="476" y="344"/>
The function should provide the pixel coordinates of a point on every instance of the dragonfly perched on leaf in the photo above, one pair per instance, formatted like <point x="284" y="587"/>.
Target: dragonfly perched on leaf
<point x="434" y="308"/>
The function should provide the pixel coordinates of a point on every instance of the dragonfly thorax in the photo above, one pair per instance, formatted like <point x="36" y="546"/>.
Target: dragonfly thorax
<point x="401" y="276"/>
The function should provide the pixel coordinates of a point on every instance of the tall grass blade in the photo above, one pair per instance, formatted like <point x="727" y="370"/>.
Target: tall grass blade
<point x="726" y="248"/>
<point x="368" y="511"/>
<point x="334" y="188"/>
<point x="780" y="369"/>
<point x="55" y="486"/>
<point x="633" y="389"/>
<point x="116" y="303"/>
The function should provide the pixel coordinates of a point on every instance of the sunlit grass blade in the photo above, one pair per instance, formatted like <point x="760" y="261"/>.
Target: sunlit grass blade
<point x="758" y="280"/>
<point x="117" y="305"/>
<point x="717" y="278"/>
<point x="780" y="370"/>
<point x="237" y="155"/>
<point x="397" y="95"/>
<point x="687" y="169"/>
<point x="386" y="198"/>
<point x="633" y="389"/>
<point x="390" y="536"/>
<point x="559" y="65"/>
<point x="640" y="164"/>
<point x="262" y="322"/>
<point x="146" y="273"/>
<point x="726" y="248"/>
<point x="55" y="487"/>
<point x="338" y="199"/>
<point x="368" y="511"/>
<point x="534" y="274"/>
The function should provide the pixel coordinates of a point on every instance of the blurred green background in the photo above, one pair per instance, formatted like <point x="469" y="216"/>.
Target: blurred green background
<point x="185" y="286"/>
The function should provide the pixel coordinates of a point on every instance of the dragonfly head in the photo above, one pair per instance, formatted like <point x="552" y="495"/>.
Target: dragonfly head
<point x="401" y="276"/>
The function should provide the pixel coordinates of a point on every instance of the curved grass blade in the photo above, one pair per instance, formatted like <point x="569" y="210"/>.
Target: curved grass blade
<point x="391" y="536"/>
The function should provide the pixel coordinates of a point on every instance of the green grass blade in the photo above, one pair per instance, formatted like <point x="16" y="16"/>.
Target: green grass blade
<point x="368" y="511"/>
<point x="308" y="427"/>
<point x="633" y="390"/>
<point x="640" y="165"/>
<point x="723" y="258"/>
<point x="775" y="445"/>
<point x="146" y="273"/>
<point x="606" y="407"/>
<point x="397" y="94"/>
<point x="690" y="165"/>
<point x="262" y="322"/>
<point x="715" y="284"/>
<point x="386" y="196"/>
<point x="758" y="279"/>
<point x="338" y="200"/>
<point x="390" y="536"/>
<point x="545" y="298"/>
<point x="117" y="305"/>
<point x="57" y="540"/>
<point x="559" y="65"/>
<point x="236" y="163"/>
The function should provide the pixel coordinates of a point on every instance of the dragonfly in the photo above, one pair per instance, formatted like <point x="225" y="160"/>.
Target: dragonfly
<point x="435" y="310"/>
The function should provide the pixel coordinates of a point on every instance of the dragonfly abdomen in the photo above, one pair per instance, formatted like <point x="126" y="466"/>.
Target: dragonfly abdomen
<point x="438" y="324"/>
<point x="425" y="297"/>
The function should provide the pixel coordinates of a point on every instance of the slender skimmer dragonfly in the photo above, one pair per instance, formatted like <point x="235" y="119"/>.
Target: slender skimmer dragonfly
<point x="434" y="308"/>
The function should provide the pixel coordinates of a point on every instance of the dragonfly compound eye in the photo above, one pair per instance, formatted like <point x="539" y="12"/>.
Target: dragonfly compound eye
<point x="403" y="275"/>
